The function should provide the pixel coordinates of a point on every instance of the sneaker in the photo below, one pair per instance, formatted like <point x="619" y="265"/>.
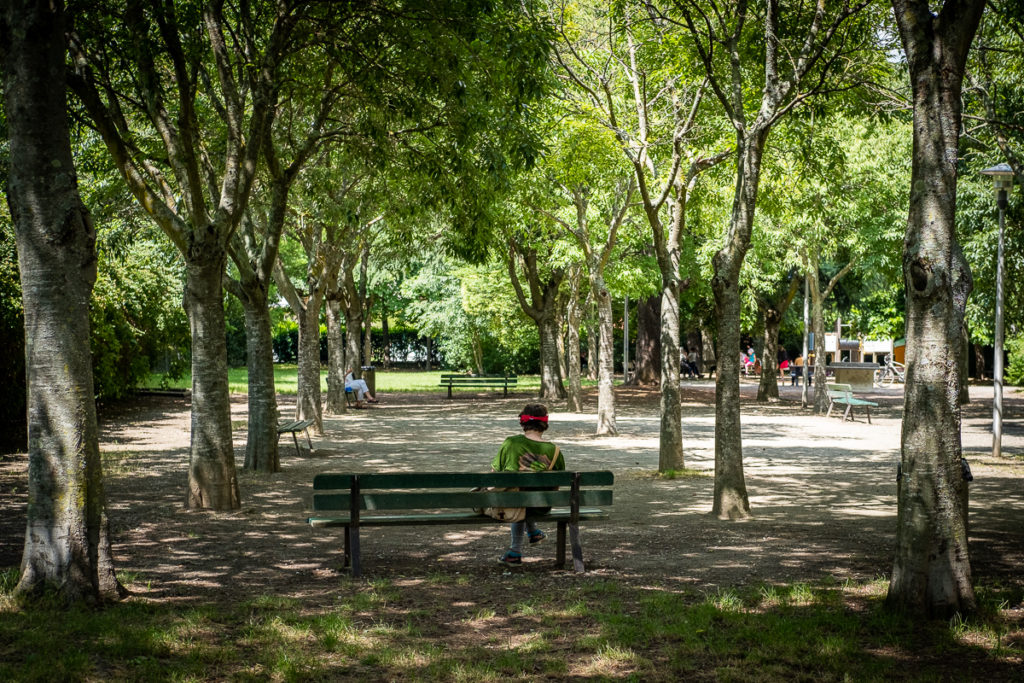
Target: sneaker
<point x="537" y="536"/>
<point x="511" y="558"/>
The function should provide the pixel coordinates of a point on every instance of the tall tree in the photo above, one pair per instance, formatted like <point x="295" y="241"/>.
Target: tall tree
<point x="932" y="570"/>
<point x="67" y="540"/>
<point x="543" y="281"/>
<point x="613" y="60"/>
<point x="594" y="194"/>
<point x="182" y="99"/>
<point x="801" y="46"/>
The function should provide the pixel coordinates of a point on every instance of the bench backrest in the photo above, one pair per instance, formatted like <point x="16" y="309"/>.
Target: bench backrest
<point x="457" y="377"/>
<point x="839" y="389"/>
<point x="451" y="490"/>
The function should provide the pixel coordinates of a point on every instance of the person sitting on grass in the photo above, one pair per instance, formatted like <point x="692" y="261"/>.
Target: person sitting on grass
<point x="359" y="387"/>
<point x="527" y="452"/>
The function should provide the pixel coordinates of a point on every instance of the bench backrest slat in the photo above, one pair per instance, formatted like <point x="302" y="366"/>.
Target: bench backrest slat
<point x="459" y="500"/>
<point x="463" y="480"/>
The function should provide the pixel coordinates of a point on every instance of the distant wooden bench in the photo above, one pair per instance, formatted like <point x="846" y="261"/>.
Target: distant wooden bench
<point x="474" y="381"/>
<point x="843" y="395"/>
<point x="294" y="427"/>
<point x="445" y="498"/>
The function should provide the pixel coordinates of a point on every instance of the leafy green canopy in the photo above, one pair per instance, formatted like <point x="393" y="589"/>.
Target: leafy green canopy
<point x="439" y="97"/>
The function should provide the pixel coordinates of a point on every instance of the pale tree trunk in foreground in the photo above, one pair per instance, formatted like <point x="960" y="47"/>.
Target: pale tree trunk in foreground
<point x="932" y="571"/>
<point x="67" y="540"/>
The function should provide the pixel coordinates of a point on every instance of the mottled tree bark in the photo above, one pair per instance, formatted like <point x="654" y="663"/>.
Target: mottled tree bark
<point x="932" y="570"/>
<point x="67" y="540"/>
<point x="212" y="482"/>
<point x="261" y="453"/>
<point x="336" y="404"/>
<point x="648" y="342"/>
<point x="730" y="496"/>
<point x="308" y="394"/>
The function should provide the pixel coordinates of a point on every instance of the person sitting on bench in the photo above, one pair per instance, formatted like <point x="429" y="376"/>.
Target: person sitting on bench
<point x="525" y="453"/>
<point x="358" y="386"/>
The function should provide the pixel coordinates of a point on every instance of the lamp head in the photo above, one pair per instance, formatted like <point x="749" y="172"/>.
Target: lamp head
<point x="1002" y="177"/>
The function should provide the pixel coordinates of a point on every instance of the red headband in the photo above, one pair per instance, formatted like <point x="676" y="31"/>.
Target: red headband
<point x="523" y="419"/>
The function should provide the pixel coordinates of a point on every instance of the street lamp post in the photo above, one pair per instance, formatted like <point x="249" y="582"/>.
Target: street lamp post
<point x="1002" y="180"/>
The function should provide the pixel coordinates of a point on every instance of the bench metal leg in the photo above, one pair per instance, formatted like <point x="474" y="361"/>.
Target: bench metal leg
<point x="352" y="551"/>
<point x="577" y="549"/>
<point x="296" y="440"/>
<point x="560" y="552"/>
<point x="829" y="413"/>
<point x="848" y="413"/>
<point x="867" y="410"/>
<point x="308" y="440"/>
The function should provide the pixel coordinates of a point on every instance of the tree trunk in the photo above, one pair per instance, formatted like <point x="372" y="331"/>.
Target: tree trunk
<point x="768" y="388"/>
<point x="606" y="360"/>
<point x="572" y="344"/>
<point x="386" y="333"/>
<point x="67" y="540"/>
<point x="670" y="441"/>
<point x="551" y="386"/>
<point x="367" y="339"/>
<point x="818" y="327"/>
<point x="307" y="400"/>
<point x="708" y="358"/>
<point x="730" y="496"/>
<point x="353" y="341"/>
<point x="563" y="370"/>
<point x="648" y="338"/>
<point x="773" y="311"/>
<point x="593" y="347"/>
<point x="336" y="404"/>
<point x="212" y="480"/>
<point x="932" y="570"/>
<point x="261" y="453"/>
<point x="965" y="352"/>
<point x="979" y="362"/>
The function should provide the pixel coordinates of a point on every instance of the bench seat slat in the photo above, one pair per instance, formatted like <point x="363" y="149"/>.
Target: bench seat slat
<point x="469" y="517"/>
<point x="465" y="499"/>
<point x="454" y="480"/>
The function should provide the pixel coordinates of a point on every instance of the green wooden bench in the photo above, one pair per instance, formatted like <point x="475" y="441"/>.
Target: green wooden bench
<point x="843" y="395"/>
<point x="293" y="427"/>
<point x="476" y="381"/>
<point x="353" y="501"/>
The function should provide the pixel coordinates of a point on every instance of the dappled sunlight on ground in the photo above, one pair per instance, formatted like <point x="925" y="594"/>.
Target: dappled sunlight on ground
<point x="822" y="493"/>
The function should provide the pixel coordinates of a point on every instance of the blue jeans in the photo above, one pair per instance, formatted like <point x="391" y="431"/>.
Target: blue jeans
<point x="519" y="531"/>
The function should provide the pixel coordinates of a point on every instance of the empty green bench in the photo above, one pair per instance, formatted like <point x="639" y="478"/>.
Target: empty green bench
<point x="353" y="501"/>
<point x="478" y="381"/>
<point x="842" y="394"/>
<point x="294" y="427"/>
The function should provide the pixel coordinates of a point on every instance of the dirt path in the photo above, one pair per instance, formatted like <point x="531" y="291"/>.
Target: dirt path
<point x="822" y="492"/>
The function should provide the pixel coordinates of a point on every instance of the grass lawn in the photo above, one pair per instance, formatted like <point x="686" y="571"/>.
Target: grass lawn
<point x="581" y="630"/>
<point x="285" y="379"/>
